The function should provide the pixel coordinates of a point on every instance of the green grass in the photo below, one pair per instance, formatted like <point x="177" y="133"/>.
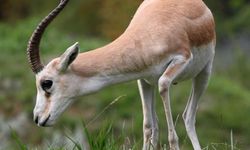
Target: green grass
<point x="224" y="107"/>
<point x="105" y="139"/>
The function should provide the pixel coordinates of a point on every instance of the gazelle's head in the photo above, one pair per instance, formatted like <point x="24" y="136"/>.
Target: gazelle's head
<point x="55" y="82"/>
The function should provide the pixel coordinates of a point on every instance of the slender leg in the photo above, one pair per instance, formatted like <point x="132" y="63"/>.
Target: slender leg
<point x="150" y="125"/>
<point x="155" y="129"/>
<point x="175" y="67"/>
<point x="198" y="88"/>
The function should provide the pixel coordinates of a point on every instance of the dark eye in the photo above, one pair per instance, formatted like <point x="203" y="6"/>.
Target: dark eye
<point x="46" y="84"/>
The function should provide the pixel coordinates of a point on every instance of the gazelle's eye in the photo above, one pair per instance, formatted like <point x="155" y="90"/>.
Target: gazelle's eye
<point x="46" y="84"/>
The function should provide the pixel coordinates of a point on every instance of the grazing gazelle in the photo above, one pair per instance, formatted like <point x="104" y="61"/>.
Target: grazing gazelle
<point x="167" y="41"/>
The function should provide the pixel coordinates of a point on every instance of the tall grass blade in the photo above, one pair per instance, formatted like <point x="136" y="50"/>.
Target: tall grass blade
<point x="232" y="140"/>
<point x="76" y="144"/>
<point x="107" y="107"/>
<point x="15" y="137"/>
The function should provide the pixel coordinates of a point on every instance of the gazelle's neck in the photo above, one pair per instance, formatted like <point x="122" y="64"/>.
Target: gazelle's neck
<point x="99" y="60"/>
<point x="113" y="63"/>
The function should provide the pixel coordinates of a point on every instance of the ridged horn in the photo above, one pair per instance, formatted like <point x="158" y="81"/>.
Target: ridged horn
<point x="34" y="42"/>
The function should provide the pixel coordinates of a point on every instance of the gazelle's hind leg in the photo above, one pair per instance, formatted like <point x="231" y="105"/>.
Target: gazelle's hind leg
<point x="176" y="66"/>
<point x="150" y="125"/>
<point x="198" y="87"/>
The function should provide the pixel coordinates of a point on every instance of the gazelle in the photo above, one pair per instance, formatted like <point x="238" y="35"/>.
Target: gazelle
<point x="167" y="41"/>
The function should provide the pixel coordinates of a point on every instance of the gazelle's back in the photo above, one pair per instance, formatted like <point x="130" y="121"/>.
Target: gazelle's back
<point x="182" y="22"/>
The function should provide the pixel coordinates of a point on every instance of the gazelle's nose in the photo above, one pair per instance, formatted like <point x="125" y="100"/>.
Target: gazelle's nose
<point x="36" y="119"/>
<point x="41" y="121"/>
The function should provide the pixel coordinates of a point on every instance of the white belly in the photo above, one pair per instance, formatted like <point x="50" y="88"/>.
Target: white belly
<point x="201" y="56"/>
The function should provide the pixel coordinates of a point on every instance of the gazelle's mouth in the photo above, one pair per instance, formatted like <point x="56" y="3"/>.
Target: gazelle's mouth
<point x="42" y="122"/>
<point x="45" y="121"/>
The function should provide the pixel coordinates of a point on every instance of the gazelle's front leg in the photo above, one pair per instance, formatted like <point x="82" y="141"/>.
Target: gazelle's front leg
<point x="150" y="125"/>
<point x="173" y="70"/>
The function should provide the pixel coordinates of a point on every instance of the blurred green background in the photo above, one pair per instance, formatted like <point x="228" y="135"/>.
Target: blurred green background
<point x="225" y="106"/>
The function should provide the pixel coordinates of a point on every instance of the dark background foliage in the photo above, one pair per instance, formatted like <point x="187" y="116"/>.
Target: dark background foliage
<point x="108" y="18"/>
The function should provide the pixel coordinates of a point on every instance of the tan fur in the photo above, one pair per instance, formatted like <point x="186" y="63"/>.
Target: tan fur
<point x="159" y="28"/>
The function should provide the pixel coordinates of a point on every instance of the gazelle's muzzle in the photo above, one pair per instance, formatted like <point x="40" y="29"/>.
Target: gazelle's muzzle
<point x="42" y="121"/>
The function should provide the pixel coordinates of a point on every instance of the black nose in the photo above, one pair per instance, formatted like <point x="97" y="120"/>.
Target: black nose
<point x="36" y="120"/>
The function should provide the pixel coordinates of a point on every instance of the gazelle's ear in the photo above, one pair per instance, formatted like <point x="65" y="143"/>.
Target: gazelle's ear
<point x="68" y="57"/>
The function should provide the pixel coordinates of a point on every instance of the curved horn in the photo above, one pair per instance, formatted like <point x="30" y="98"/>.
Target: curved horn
<point x="34" y="42"/>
